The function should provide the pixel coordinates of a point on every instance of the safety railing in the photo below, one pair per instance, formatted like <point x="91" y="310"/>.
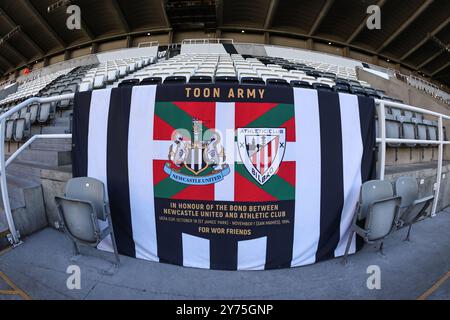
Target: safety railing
<point x="382" y="141"/>
<point x="15" y="238"/>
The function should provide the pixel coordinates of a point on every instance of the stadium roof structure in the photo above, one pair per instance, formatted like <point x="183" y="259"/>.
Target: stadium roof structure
<point x="414" y="33"/>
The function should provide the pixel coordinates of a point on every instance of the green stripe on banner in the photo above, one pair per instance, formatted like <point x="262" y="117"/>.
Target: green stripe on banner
<point x="167" y="188"/>
<point x="174" y="116"/>
<point x="274" y="117"/>
<point x="276" y="186"/>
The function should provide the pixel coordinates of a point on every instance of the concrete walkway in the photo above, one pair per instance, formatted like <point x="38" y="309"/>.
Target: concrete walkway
<point x="409" y="270"/>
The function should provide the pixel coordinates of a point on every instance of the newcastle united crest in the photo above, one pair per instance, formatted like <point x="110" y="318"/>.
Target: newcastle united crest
<point x="197" y="161"/>
<point x="262" y="151"/>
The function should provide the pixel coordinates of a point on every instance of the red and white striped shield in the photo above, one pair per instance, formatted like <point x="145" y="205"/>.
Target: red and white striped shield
<point x="261" y="151"/>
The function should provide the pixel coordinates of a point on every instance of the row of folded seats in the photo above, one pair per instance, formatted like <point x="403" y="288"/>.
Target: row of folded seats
<point x="408" y="125"/>
<point x="18" y="126"/>
<point x="345" y="87"/>
<point x="109" y="72"/>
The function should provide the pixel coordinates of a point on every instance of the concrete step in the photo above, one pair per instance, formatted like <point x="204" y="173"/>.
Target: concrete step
<point x="27" y="204"/>
<point x="16" y="186"/>
<point x="55" y="130"/>
<point x="52" y="144"/>
<point x="30" y="170"/>
<point x="61" y="122"/>
<point x="46" y="157"/>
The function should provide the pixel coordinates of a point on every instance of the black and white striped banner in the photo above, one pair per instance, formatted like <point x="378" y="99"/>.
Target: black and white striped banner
<point x="229" y="177"/>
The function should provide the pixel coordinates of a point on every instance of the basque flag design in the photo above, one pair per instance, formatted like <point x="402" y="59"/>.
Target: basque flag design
<point x="301" y="154"/>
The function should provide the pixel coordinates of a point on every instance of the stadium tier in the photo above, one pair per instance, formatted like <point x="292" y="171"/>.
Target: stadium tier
<point x="231" y="135"/>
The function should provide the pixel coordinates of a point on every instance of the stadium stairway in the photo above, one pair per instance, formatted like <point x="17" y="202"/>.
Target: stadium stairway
<point x="43" y="159"/>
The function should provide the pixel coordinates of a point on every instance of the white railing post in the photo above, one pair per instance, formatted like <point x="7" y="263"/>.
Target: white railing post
<point x="439" y="168"/>
<point x="4" y="185"/>
<point x="382" y="128"/>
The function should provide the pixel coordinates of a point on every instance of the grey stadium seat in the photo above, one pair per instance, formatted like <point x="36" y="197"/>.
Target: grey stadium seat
<point x="65" y="103"/>
<point x="33" y="109"/>
<point x="80" y="210"/>
<point x="19" y="130"/>
<point x="392" y="130"/>
<point x="411" y="208"/>
<point x="378" y="210"/>
<point x="408" y="130"/>
<point x="9" y="130"/>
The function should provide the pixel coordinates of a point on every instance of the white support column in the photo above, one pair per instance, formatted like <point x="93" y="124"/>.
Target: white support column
<point x="382" y="129"/>
<point x="439" y="168"/>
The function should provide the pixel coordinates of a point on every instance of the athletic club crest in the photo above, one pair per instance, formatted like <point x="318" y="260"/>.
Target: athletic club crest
<point x="261" y="151"/>
<point x="197" y="161"/>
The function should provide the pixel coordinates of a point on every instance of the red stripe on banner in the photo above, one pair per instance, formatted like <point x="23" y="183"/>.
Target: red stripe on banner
<point x="205" y="193"/>
<point x="249" y="112"/>
<point x="204" y="111"/>
<point x="290" y="130"/>
<point x="287" y="172"/>
<point x="261" y="159"/>
<point x="245" y="190"/>
<point x="162" y="130"/>
<point x="269" y="154"/>
<point x="158" y="171"/>
<point x="255" y="159"/>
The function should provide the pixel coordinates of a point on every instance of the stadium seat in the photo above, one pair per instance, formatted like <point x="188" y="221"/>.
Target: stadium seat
<point x="19" y="129"/>
<point x="322" y="87"/>
<point x="86" y="86"/>
<point x="226" y="80"/>
<point x="151" y="81"/>
<point x="64" y="104"/>
<point x="411" y="207"/>
<point x="80" y="210"/>
<point x="277" y="82"/>
<point x="393" y="130"/>
<point x="431" y="130"/>
<point x="378" y="210"/>
<point x="341" y="88"/>
<point x="33" y="109"/>
<point x="358" y="91"/>
<point x="175" y="80"/>
<point x="408" y="130"/>
<point x="200" y="79"/>
<point x="129" y="82"/>
<point x="252" y="80"/>
<point x="9" y="130"/>
<point x="301" y="84"/>
<point x="99" y="82"/>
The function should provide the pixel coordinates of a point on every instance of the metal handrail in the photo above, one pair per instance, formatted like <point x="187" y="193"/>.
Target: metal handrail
<point x="382" y="140"/>
<point x="3" y="182"/>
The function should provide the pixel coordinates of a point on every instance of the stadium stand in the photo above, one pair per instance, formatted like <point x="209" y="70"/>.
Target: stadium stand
<point x="321" y="45"/>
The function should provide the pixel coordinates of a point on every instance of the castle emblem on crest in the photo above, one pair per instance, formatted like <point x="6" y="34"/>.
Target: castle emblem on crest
<point x="197" y="161"/>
